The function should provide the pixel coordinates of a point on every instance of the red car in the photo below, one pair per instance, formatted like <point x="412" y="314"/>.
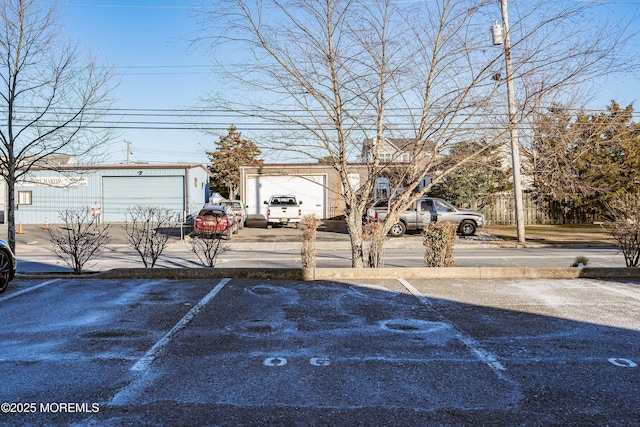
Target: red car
<point x="216" y="219"/>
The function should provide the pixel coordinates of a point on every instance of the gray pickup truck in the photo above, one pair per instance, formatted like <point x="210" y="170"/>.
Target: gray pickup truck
<point x="426" y="210"/>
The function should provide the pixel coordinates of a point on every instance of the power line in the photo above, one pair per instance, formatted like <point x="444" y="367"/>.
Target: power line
<point x="133" y="6"/>
<point x="216" y="119"/>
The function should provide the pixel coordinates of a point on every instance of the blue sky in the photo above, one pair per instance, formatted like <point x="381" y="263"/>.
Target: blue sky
<point x="145" y="42"/>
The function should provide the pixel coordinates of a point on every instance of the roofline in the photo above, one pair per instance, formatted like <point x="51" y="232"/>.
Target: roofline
<point x="121" y="166"/>
<point x="319" y="165"/>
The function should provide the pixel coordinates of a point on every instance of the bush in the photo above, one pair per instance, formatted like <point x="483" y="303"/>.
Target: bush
<point x="207" y="247"/>
<point x="438" y="239"/>
<point x="146" y="230"/>
<point x="79" y="240"/>
<point x="309" y="253"/>
<point x="624" y="226"/>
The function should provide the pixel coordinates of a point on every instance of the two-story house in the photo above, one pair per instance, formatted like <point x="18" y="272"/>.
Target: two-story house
<point x="392" y="150"/>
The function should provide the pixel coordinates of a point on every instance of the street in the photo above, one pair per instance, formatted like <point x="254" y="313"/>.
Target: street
<point x="232" y="352"/>
<point x="258" y="247"/>
<point x="289" y="257"/>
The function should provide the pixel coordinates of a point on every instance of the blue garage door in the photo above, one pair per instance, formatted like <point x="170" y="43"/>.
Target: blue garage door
<point x="122" y="192"/>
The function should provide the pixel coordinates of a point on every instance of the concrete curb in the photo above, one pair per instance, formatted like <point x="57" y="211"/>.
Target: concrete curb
<point x="307" y="274"/>
<point x="180" y="247"/>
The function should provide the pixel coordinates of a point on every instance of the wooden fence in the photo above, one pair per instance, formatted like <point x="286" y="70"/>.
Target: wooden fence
<point x="500" y="210"/>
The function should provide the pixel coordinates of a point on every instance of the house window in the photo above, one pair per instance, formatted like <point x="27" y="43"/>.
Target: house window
<point x="24" y="198"/>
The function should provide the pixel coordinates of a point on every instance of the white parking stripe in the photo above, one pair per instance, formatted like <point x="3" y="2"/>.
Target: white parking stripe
<point x="33" y="288"/>
<point x="472" y="344"/>
<point x="153" y="352"/>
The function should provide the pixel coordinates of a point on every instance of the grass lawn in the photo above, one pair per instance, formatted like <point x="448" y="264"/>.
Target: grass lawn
<point x="588" y="233"/>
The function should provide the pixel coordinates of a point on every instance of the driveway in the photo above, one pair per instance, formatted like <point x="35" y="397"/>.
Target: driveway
<point x="233" y="352"/>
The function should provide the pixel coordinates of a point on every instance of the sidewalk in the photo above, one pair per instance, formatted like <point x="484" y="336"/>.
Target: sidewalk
<point x="35" y="254"/>
<point x="332" y="235"/>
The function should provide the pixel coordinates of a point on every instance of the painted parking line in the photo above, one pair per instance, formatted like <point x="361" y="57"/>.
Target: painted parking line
<point x="153" y="352"/>
<point x="488" y="358"/>
<point x="32" y="288"/>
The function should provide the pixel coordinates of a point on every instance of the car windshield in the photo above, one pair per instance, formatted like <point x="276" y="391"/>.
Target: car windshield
<point x="211" y="213"/>
<point x="234" y="205"/>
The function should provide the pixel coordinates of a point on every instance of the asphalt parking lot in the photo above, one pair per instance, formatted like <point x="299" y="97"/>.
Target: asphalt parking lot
<point x="323" y="353"/>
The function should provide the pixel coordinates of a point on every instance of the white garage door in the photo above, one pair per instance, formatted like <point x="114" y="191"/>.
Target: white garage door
<point x="310" y="189"/>
<point x="119" y="193"/>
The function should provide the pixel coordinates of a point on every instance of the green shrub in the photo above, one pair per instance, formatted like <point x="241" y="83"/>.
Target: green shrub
<point x="438" y="240"/>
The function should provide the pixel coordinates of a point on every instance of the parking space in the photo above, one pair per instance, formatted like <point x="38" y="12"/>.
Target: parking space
<point x="388" y="352"/>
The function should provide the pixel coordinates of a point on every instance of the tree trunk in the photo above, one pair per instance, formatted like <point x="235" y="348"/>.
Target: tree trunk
<point x="11" y="211"/>
<point x="354" y="225"/>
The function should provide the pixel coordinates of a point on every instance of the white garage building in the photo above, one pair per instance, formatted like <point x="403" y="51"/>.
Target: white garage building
<point x="112" y="189"/>
<point x="318" y="187"/>
<point x="309" y="189"/>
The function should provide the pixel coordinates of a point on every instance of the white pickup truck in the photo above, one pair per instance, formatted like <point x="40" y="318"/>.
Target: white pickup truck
<point x="283" y="209"/>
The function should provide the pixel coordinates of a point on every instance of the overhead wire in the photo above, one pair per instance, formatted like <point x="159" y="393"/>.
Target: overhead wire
<point x="203" y="119"/>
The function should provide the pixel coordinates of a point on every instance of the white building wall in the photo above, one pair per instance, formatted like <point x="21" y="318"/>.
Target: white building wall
<point x="310" y="189"/>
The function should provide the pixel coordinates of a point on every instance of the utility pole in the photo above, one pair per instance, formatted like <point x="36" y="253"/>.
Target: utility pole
<point x="515" y="145"/>
<point x="128" y="149"/>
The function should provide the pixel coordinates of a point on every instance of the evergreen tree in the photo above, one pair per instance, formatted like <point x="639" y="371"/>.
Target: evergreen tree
<point x="231" y="152"/>
<point x="588" y="160"/>
<point x="480" y="176"/>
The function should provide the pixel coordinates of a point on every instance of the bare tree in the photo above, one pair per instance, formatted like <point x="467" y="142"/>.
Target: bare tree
<point x="147" y="230"/>
<point x="80" y="239"/>
<point x="50" y="96"/>
<point x="338" y="78"/>
<point x="207" y="247"/>
<point x="624" y="226"/>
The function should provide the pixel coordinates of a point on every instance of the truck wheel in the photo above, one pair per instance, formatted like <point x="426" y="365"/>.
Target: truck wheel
<point x="467" y="228"/>
<point x="398" y="229"/>
<point x="268" y="225"/>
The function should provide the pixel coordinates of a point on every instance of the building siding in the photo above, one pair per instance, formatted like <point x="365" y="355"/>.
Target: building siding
<point x="190" y="186"/>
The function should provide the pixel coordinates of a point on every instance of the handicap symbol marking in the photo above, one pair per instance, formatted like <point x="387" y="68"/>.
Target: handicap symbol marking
<point x="320" y="361"/>
<point x="275" y="361"/>
<point x="624" y="363"/>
